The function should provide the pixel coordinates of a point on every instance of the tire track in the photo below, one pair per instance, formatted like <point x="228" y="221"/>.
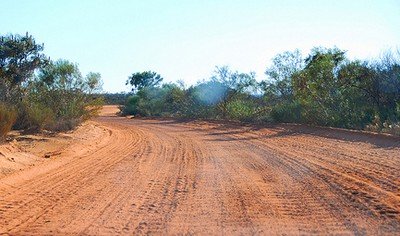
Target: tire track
<point x="168" y="177"/>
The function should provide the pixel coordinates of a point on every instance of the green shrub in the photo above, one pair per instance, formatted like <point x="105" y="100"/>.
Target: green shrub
<point x="242" y="110"/>
<point x="287" y="112"/>
<point x="130" y="106"/>
<point x="8" y="116"/>
<point x="39" y="116"/>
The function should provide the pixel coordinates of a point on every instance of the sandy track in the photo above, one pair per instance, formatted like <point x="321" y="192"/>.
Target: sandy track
<point x="168" y="177"/>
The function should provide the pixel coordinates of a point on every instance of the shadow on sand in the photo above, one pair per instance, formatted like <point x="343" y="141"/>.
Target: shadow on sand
<point x="226" y="131"/>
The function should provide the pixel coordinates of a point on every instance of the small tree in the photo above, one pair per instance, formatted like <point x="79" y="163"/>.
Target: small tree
<point x="20" y="56"/>
<point x="140" y="80"/>
<point x="93" y="82"/>
<point x="317" y="86"/>
<point x="278" y="86"/>
<point x="60" y="89"/>
<point x="236" y="85"/>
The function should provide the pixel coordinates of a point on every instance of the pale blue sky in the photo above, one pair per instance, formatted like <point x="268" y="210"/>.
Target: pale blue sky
<point x="186" y="39"/>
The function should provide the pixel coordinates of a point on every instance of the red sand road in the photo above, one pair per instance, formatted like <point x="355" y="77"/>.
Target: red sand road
<point x="148" y="176"/>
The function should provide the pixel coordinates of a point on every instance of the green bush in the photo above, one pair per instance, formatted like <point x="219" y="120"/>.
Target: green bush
<point x="242" y="110"/>
<point x="8" y="116"/>
<point x="38" y="116"/>
<point x="287" y="112"/>
<point x="130" y="106"/>
<point x="59" y="98"/>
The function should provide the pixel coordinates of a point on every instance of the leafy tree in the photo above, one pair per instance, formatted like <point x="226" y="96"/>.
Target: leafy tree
<point x="278" y="97"/>
<point x="20" y="56"/>
<point x="60" y="91"/>
<point x="234" y="80"/>
<point x="387" y="83"/>
<point x="36" y="93"/>
<point x="176" y="100"/>
<point x="140" y="80"/>
<point x="316" y="86"/>
<point x="357" y="109"/>
<point x="236" y="84"/>
<point x="278" y="86"/>
<point x="61" y="75"/>
<point x="93" y="82"/>
<point x="376" y="85"/>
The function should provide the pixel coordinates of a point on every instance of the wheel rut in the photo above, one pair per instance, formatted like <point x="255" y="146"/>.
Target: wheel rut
<point x="149" y="176"/>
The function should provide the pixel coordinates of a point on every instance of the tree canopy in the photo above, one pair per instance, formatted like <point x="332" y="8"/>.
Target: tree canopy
<point x="140" y="80"/>
<point x="20" y="56"/>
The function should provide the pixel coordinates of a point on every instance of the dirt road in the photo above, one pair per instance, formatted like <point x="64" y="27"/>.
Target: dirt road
<point x="168" y="177"/>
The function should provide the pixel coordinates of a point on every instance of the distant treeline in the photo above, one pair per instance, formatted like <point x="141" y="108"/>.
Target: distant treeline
<point x="324" y="88"/>
<point x="114" y="98"/>
<point x="37" y="93"/>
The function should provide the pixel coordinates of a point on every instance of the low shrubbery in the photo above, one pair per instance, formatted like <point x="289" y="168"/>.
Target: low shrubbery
<point x="289" y="111"/>
<point x="325" y="89"/>
<point x="8" y="116"/>
<point x="59" y="98"/>
<point x="45" y="94"/>
<point x="34" y="116"/>
<point x="241" y="109"/>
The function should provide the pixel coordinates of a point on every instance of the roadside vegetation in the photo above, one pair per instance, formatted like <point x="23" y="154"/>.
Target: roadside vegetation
<point x="37" y="93"/>
<point x="324" y="88"/>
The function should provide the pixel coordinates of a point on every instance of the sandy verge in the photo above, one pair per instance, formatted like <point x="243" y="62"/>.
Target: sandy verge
<point x="25" y="151"/>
